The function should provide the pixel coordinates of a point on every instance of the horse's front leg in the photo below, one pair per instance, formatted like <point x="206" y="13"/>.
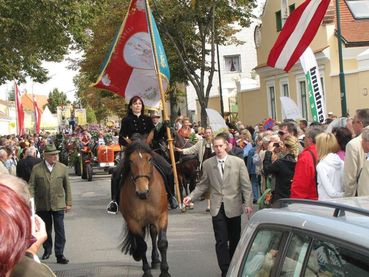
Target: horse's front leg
<point x="155" y="261"/>
<point x="163" y="247"/>
<point x="140" y="253"/>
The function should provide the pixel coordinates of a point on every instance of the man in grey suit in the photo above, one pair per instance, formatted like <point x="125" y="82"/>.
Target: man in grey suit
<point x="49" y="185"/>
<point x="227" y="178"/>
<point x="355" y="156"/>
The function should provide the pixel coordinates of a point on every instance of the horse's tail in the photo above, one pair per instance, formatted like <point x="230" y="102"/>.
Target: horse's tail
<point x="133" y="245"/>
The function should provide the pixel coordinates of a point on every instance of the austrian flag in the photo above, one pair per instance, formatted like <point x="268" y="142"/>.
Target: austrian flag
<point x="297" y="33"/>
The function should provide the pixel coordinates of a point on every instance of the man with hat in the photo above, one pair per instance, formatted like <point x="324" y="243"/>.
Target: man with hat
<point x="49" y="185"/>
<point x="159" y="131"/>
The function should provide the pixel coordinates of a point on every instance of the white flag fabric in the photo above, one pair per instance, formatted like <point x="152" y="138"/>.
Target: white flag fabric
<point x="315" y="91"/>
<point x="216" y="121"/>
<point x="289" y="109"/>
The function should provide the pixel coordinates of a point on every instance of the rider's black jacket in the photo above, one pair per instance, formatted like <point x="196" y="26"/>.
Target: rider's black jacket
<point x="132" y="124"/>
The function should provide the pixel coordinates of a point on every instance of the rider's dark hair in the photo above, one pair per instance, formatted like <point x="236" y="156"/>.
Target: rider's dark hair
<point x="133" y="100"/>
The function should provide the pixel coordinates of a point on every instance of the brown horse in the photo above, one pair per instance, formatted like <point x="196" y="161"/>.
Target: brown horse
<point x="144" y="207"/>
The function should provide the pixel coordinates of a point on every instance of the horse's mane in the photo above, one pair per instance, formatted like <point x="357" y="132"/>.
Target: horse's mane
<point x="135" y="146"/>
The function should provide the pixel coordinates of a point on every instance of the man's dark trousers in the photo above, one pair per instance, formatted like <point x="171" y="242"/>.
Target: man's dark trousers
<point x="226" y="230"/>
<point x="58" y="217"/>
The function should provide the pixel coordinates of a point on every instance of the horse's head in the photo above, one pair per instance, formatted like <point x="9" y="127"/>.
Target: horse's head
<point x="138" y="161"/>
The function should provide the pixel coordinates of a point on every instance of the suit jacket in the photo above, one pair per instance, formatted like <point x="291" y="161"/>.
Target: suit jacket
<point x="24" y="167"/>
<point x="363" y="183"/>
<point x="51" y="191"/>
<point x="228" y="190"/>
<point x="27" y="266"/>
<point x="354" y="161"/>
<point x="3" y="169"/>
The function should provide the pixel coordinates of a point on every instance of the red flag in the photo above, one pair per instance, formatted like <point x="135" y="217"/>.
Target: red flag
<point x="37" y="111"/>
<point x="20" y="111"/>
<point x="297" y="33"/>
<point x="130" y="68"/>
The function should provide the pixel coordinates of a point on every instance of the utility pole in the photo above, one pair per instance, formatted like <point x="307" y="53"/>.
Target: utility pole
<point x="218" y="62"/>
<point x="220" y="84"/>
<point x="340" y="58"/>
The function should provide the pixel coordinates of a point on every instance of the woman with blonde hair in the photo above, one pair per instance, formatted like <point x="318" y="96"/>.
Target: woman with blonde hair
<point x="330" y="167"/>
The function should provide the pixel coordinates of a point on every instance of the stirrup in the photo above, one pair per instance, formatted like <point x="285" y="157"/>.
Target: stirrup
<point x="112" y="207"/>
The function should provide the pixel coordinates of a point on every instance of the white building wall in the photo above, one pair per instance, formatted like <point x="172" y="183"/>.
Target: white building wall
<point x="248" y="59"/>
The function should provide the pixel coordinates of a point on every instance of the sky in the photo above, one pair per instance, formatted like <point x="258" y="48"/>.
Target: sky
<point x="60" y="77"/>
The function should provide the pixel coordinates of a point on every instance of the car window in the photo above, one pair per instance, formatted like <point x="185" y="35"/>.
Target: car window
<point x="262" y="255"/>
<point x="296" y="252"/>
<point x="327" y="259"/>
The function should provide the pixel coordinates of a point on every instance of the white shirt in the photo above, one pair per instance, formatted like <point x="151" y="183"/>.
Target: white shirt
<point x="221" y="162"/>
<point x="49" y="166"/>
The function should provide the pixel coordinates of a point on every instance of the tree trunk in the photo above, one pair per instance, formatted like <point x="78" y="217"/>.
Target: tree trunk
<point x="173" y="107"/>
<point x="204" y="116"/>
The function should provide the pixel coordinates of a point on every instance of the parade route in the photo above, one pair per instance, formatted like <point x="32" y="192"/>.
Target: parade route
<point x="93" y="237"/>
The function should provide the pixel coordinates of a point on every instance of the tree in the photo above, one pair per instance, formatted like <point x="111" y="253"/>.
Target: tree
<point x="189" y="33"/>
<point x="56" y="98"/>
<point x="90" y="115"/>
<point x="193" y="29"/>
<point x="33" y="31"/>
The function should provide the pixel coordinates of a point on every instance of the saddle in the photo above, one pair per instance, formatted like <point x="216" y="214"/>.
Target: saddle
<point x="185" y="158"/>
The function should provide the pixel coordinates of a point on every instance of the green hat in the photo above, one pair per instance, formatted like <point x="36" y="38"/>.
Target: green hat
<point x="50" y="149"/>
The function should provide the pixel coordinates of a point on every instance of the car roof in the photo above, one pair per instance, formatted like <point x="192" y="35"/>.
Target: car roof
<point x="346" y="219"/>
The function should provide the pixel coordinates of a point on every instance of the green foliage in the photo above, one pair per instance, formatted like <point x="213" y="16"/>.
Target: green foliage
<point x="33" y="31"/>
<point x="103" y="28"/>
<point x="56" y="98"/>
<point x="189" y="30"/>
<point x="90" y="114"/>
<point x="192" y="29"/>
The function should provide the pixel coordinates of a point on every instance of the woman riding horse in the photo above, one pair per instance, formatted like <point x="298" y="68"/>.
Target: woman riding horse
<point x="136" y="122"/>
<point x="144" y="207"/>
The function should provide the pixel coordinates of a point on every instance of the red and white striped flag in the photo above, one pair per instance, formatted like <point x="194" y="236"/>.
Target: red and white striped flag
<point x="37" y="114"/>
<point x="297" y="33"/>
<point x="19" y="110"/>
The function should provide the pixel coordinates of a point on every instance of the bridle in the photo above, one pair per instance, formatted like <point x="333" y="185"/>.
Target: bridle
<point x="135" y="178"/>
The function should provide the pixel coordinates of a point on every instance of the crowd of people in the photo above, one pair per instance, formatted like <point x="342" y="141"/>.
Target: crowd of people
<point x="239" y="167"/>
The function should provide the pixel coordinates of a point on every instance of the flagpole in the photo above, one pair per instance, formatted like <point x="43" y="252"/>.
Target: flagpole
<point x="34" y="110"/>
<point x="164" y="111"/>
<point x="340" y="58"/>
<point x="16" y="108"/>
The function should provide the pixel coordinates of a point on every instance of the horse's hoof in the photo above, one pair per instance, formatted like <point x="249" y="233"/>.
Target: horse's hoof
<point x="147" y="274"/>
<point x="155" y="265"/>
<point x="164" y="274"/>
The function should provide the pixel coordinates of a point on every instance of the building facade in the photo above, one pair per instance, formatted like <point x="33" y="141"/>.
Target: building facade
<point x="255" y="105"/>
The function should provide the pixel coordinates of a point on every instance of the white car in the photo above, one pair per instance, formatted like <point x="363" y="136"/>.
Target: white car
<point x="306" y="238"/>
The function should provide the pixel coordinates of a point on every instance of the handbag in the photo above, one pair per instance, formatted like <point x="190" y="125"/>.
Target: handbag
<point x="265" y="200"/>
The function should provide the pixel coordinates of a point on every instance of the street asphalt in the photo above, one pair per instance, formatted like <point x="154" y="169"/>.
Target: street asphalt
<point x="93" y="237"/>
